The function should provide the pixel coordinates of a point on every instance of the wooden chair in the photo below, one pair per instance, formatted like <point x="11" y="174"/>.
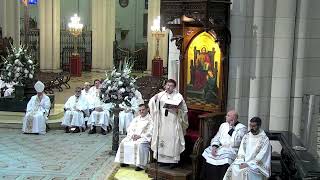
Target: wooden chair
<point x="208" y="127"/>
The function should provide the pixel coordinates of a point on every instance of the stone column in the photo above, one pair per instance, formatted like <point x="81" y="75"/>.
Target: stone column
<point x="49" y="17"/>
<point x="10" y="19"/>
<point x="103" y="29"/>
<point x="237" y="99"/>
<point x="282" y="65"/>
<point x="305" y="78"/>
<point x="173" y="61"/>
<point x="153" y="13"/>
<point x="255" y="55"/>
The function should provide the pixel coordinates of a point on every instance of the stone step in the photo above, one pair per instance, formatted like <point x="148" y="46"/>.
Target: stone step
<point x="184" y="173"/>
<point x="14" y="119"/>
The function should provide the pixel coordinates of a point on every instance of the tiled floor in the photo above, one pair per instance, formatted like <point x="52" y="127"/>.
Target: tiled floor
<point x="56" y="155"/>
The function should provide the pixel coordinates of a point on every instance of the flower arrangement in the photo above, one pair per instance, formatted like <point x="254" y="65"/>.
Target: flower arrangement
<point x="119" y="86"/>
<point x="18" y="66"/>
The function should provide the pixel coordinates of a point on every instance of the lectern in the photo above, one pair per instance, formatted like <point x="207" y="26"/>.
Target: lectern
<point x="157" y="67"/>
<point x="75" y="65"/>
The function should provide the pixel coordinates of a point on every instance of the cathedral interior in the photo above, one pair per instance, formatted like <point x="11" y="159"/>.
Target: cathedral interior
<point x="257" y="57"/>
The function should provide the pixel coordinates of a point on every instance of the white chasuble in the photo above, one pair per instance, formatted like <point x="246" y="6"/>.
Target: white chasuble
<point x="136" y="152"/>
<point x="227" y="144"/>
<point x="255" y="150"/>
<point x="36" y="115"/>
<point x="169" y="126"/>
<point x="74" y="114"/>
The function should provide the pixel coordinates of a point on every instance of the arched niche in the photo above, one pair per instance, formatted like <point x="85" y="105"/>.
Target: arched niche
<point x="200" y="25"/>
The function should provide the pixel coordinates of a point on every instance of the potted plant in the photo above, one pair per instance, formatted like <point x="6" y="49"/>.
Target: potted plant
<point x="18" y="68"/>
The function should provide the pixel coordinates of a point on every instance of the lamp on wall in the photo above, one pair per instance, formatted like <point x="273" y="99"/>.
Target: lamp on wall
<point x="75" y="28"/>
<point x="158" y="32"/>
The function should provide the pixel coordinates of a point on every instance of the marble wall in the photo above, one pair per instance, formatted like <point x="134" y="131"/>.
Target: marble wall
<point x="273" y="60"/>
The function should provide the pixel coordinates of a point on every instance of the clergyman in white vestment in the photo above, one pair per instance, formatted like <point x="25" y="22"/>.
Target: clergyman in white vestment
<point x="134" y="148"/>
<point x="223" y="147"/>
<point x="37" y="111"/>
<point x="74" y="111"/>
<point x="254" y="157"/>
<point x="127" y="115"/>
<point x="86" y="93"/>
<point x="95" y="90"/>
<point x="100" y="116"/>
<point x="169" y="125"/>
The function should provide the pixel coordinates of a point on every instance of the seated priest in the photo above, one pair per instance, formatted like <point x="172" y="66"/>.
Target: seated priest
<point x="37" y="111"/>
<point x="95" y="90"/>
<point x="100" y="116"/>
<point x="134" y="148"/>
<point x="254" y="156"/>
<point x="223" y="147"/>
<point x="86" y="93"/>
<point x="75" y="108"/>
<point x="127" y="115"/>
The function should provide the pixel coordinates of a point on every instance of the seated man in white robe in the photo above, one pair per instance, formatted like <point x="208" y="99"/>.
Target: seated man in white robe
<point x="127" y="115"/>
<point x="99" y="117"/>
<point x="86" y="93"/>
<point x="134" y="148"/>
<point x="254" y="157"/>
<point x="37" y="111"/>
<point x="74" y="112"/>
<point x="223" y="147"/>
<point x="95" y="90"/>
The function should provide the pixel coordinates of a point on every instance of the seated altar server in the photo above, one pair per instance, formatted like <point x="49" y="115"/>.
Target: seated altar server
<point x="129" y="112"/>
<point x="37" y="111"/>
<point x="223" y="147"/>
<point x="74" y="108"/>
<point x="254" y="157"/>
<point x="100" y="116"/>
<point x="134" y="148"/>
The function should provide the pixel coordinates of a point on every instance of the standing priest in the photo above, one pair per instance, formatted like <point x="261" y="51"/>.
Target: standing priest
<point x="134" y="148"/>
<point x="254" y="157"/>
<point x="170" y="121"/>
<point x="37" y="111"/>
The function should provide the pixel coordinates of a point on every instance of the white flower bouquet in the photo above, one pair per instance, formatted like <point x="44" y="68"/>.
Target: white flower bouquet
<point x="18" y="67"/>
<point x="119" y="86"/>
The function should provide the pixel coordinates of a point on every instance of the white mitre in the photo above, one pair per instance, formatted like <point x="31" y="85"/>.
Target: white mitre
<point x="39" y="86"/>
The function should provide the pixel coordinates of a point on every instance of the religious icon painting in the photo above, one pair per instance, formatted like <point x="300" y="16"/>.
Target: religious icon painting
<point x="204" y="75"/>
<point x="124" y="3"/>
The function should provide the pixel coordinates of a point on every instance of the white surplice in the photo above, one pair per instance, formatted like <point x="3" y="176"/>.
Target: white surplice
<point x="227" y="145"/>
<point x="136" y="152"/>
<point x="100" y="118"/>
<point x="36" y="115"/>
<point x="126" y="116"/>
<point x="255" y="150"/>
<point x="90" y="101"/>
<point x="72" y="117"/>
<point x="170" y="129"/>
<point x="94" y="92"/>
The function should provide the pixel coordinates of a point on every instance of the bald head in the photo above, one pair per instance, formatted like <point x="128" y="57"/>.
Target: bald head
<point x="232" y="117"/>
<point x="87" y="86"/>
